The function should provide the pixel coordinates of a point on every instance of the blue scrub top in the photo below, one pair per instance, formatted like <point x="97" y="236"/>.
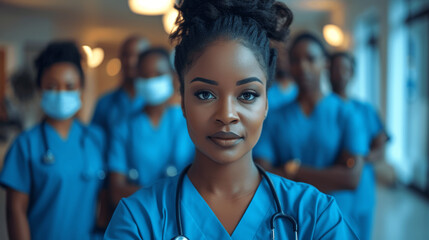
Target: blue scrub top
<point x="365" y="193"/>
<point x="62" y="195"/>
<point x="115" y="107"/>
<point x="278" y="97"/>
<point x="316" y="140"/>
<point x="143" y="152"/>
<point x="151" y="214"/>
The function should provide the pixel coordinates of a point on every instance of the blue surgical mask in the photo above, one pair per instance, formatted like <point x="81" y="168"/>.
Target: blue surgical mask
<point x="61" y="105"/>
<point x="155" y="90"/>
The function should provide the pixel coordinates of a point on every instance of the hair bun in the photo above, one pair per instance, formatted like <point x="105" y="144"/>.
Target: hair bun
<point x="273" y="17"/>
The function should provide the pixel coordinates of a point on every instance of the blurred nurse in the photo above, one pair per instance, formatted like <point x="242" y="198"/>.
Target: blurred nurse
<point x="341" y="72"/>
<point x="117" y="105"/>
<point x="154" y="143"/>
<point x="284" y="90"/>
<point x="54" y="171"/>
<point x="315" y="139"/>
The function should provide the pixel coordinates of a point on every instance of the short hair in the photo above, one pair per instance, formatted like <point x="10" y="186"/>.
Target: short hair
<point x="252" y="23"/>
<point x="157" y="51"/>
<point x="58" y="52"/>
<point x="307" y="36"/>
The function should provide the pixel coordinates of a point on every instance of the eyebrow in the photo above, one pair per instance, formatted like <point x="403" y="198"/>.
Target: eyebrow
<point x="241" y="82"/>
<point x="248" y="80"/>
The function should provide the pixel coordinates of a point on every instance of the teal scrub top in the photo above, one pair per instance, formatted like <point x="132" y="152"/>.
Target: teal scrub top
<point x="62" y="195"/>
<point x="146" y="153"/>
<point x="151" y="214"/>
<point x="316" y="139"/>
<point x="278" y="97"/>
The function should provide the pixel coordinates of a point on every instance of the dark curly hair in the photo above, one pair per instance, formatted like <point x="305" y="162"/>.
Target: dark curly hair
<point x="58" y="52"/>
<point x="251" y="22"/>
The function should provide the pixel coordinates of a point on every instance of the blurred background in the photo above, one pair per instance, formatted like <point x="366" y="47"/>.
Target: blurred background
<point x="389" y="38"/>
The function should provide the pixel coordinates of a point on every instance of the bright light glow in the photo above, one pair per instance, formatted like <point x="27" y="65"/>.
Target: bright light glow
<point x="94" y="56"/>
<point x="113" y="67"/>
<point x="333" y="35"/>
<point x="169" y="20"/>
<point x="150" y="7"/>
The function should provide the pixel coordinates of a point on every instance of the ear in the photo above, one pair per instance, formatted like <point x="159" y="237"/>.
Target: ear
<point x="266" y="109"/>
<point x="182" y="105"/>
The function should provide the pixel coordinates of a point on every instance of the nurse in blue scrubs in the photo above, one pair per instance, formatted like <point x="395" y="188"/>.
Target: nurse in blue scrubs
<point x="53" y="172"/>
<point x="116" y="106"/>
<point x="224" y="64"/>
<point x="153" y="143"/>
<point x="284" y="90"/>
<point x="315" y="139"/>
<point x="341" y="72"/>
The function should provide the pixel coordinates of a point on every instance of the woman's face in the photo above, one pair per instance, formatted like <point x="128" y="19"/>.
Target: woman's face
<point x="61" y="77"/>
<point x="225" y="101"/>
<point x="153" y="65"/>
<point x="307" y="63"/>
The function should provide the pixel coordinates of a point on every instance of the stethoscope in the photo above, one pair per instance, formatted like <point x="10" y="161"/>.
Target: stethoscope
<point x="133" y="173"/>
<point x="279" y="213"/>
<point x="49" y="158"/>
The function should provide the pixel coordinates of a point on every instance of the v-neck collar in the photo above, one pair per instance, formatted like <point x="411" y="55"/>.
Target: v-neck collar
<point x="316" y="108"/>
<point x="51" y="131"/>
<point x="204" y="219"/>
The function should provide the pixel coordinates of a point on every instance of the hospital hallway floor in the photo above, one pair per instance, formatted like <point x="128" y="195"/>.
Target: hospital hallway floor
<point x="401" y="214"/>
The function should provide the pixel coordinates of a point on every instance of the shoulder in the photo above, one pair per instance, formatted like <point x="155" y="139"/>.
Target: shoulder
<point x="282" y="111"/>
<point x="151" y="200"/>
<point x="29" y="135"/>
<point x="110" y="95"/>
<point x="301" y="196"/>
<point x="95" y="132"/>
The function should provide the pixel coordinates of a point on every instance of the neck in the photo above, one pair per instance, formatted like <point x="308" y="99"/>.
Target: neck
<point x="308" y="100"/>
<point x="61" y="126"/>
<point x="310" y="97"/>
<point x="342" y="94"/>
<point x="230" y="179"/>
<point x="284" y="82"/>
<point x="128" y="86"/>
<point x="155" y="112"/>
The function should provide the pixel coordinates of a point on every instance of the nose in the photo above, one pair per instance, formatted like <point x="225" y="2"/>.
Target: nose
<point x="226" y="112"/>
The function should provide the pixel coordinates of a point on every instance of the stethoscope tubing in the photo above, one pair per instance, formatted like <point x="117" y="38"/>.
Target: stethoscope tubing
<point x="279" y="213"/>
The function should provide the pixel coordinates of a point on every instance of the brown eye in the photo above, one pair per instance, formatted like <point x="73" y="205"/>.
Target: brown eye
<point x="248" y="96"/>
<point x="204" y="95"/>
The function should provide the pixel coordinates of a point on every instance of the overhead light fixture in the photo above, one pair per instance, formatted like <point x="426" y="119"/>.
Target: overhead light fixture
<point x="150" y="7"/>
<point x="333" y="35"/>
<point x="94" y="56"/>
<point x="169" y="20"/>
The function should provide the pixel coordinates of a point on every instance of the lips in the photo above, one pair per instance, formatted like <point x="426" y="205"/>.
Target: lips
<point x="225" y="139"/>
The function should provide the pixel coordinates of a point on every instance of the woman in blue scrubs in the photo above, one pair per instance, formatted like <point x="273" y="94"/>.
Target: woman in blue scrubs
<point x="154" y="143"/>
<point x="341" y="72"/>
<point x="118" y="105"/>
<point x="224" y="64"/>
<point x="315" y="139"/>
<point x="284" y="90"/>
<point x="54" y="171"/>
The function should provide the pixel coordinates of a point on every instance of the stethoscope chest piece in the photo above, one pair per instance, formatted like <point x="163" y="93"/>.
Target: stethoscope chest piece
<point x="49" y="157"/>
<point x="180" y="238"/>
<point x="133" y="174"/>
<point x="171" y="171"/>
